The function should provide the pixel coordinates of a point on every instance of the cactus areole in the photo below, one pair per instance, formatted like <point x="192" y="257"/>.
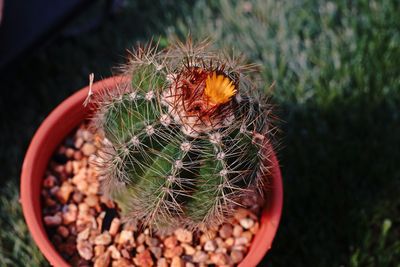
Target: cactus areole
<point x="186" y="140"/>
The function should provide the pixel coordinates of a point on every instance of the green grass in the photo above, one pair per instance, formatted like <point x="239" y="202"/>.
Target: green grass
<point x="335" y="65"/>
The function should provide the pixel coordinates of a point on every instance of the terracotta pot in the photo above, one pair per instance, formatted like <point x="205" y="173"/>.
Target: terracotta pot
<point x="54" y="129"/>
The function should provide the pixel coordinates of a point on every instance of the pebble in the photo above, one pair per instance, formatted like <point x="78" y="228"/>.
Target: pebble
<point x="236" y="256"/>
<point x="246" y="223"/>
<point x="70" y="215"/>
<point x="177" y="262"/>
<point x="102" y="260"/>
<point x="52" y="220"/>
<point x="225" y="231"/>
<point x="172" y="252"/>
<point x="64" y="192"/>
<point x="92" y="200"/>
<point x="189" y="250"/>
<point x="63" y="231"/>
<point x="237" y="231"/>
<point x="99" y="250"/>
<point x="85" y="249"/>
<point x="200" y="257"/>
<point x="78" y="142"/>
<point x="84" y="235"/>
<point x="122" y="263"/>
<point x="115" y="254"/>
<point x="157" y="251"/>
<point x="49" y="181"/>
<point x="219" y="259"/>
<point x="241" y="241"/>
<point x="151" y="241"/>
<point x="126" y="236"/>
<point x="144" y="259"/>
<point x="170" y="242"/>
<point x="183" y="235"/>
<point x="114" y="227"/>
<point x="162" y="262"/>
<point x="103" y="239"/>
<point x="210" y="245"/>
<point x="141" y="238"/>
<point x="248" y="235"/>
<point x="88" y="149"/>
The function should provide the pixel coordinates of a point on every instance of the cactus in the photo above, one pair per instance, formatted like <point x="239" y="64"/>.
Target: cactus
<point x="186" y="139"/>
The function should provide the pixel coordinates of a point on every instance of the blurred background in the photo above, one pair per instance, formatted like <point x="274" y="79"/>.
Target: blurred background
<point x="336" y="68"/>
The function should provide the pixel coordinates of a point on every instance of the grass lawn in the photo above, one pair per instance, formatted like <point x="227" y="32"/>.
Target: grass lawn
<point x="335" y="65"/>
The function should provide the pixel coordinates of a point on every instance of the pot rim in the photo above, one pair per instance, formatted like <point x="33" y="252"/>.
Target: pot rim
<point x="59" y="123"/>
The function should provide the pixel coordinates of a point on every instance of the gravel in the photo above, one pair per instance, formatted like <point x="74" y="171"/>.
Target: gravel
<point x="74" y="213"/>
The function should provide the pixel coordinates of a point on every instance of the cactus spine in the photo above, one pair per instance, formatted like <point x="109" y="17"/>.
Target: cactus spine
<point x="186" y="140"/>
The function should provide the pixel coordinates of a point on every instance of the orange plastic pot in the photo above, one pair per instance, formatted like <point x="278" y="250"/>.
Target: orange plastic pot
<point x="51" y="133"/>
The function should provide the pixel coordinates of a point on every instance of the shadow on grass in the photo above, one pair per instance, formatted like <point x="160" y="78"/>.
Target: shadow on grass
<point x="341" y="180"/>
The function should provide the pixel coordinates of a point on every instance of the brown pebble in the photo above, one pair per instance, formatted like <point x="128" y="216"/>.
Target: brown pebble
<point x="78" y="142"/>
<point x="172" y="252"/>
<point x="219" y="258"/>
<point x="70" y="215"/>
<point x="236" y="256"/>
<point x="50" y="202"/>
<point x="189" y="250"/>
<point x="241" y="214"/>
<point x="237" y="231"/>
<point x="170" y="242"/>
<point x="209" y="235"/>
<point x="210" y="245"/>
<point x="255" y="228"/>
<point x="151" y="241"/>
<point x="183" y="235"/>
<point x="63" y="231"/>
<point x="177" y="262"/>
<point x="144" y="259"/>
<point x="84" y="235"/>
<point x="248" y="235"/>
<point x="67" y="248"/>
<point x="78" y="155"/>
<point x="200" y="257"/>
<point x="229" y="242"/>
<point x="92" y="200"/>
<point x="115" y="254"/>
<point x="226" y="231"/>
<point x="103" y="260"/>
<point x="240" y="241"/>
<point x="49" y="181"/>
<point x="125" y="253"/>
<point x="140" y="248"/>
<point x="68" y="167"/>
<point x="65" y="191"/>
<point x="99" y="250"/>
<point x="126" y="237"/>
<point x="85" y="249"/>
<point x="122" y="263"/>
<point x="141" y="238"/>
<point x="157" y="252"/>
<point x="88" y="149"/>
<point x="162" y="262"/>
<point x="52" y="220"/>
<point x="69" y="152"/>
<point x="114" y="227"/>
<point x="103" y="239"/>
<point x="77" y="197"/>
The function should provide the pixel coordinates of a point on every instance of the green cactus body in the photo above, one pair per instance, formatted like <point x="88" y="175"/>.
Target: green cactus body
<point x="176" y="151"/>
